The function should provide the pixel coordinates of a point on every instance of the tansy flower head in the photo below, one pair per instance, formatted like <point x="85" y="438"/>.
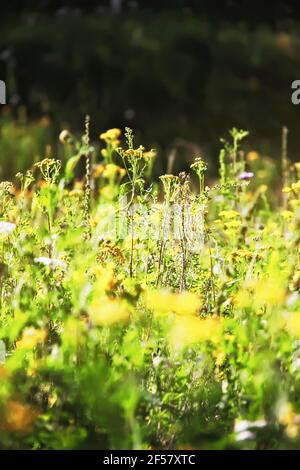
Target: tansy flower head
<point x="112" y="135"/>
<point x="229" y="214"/>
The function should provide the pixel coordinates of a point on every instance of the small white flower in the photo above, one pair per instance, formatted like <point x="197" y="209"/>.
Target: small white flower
<point x="244" y="435"/>
<point x="240" y="426"/>
<point x="156" y="361"/>
<point x="244" y="425"/>
<point x="53" y="262"/>
<point x="55" y="352"/>
<point x="6" y="227"/>
<point x="224" y="386"/>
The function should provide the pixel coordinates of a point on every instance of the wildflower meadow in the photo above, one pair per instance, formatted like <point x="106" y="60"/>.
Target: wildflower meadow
<point x="149" y="313"/>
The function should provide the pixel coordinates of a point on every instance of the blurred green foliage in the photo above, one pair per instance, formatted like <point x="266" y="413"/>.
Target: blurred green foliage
<point x="168" y="75"/>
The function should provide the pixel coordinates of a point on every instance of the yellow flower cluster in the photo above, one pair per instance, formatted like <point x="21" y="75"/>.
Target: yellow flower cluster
<point x="294" y="187"/>
<point x="31" y="337"/>
<point x="164" y="301"/>
<point x="106" y="312"/>
<point x="229" y="214"/>
<point x="190" y="330"/>
<point x="111" y="136"/>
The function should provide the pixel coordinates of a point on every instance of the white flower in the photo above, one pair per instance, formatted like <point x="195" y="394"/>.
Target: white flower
<point x="244" y="425"/>
<point x="156" y="361"/>
<point x="244" y="435"/>
<point x="6" y="227"/>
<point x="53" y="262"/>
<point x="55" y="352"/>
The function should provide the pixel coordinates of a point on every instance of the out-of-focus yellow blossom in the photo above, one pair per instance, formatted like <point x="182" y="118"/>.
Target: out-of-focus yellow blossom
<point x="108" y="311"/>
<point x="188" y="330"/>
<point x="243" y="299"/>
<point x="233" y="224"/>
<point x="107" y="192"/>
<point x="98" y="170"/>
<point x="93" y="222"/>
<point x="105" y="277"/>
<point x="269" y="292"/>
<point x="31" y="337"/>
<point x="220" y="357"/>
<point x="110" y="135"/>
<point x="75" y="192"/>
<point x="262" y="174"/>
<point x="261" y="292"/>
<point x="164" y="301"/>
<point x="287" y="214"/>
<point x="286" y="190"/>
<point x="112" y="170"/>
<point x="18" y="417"/>
<point x="229" y="214"/>
<point x="229" y="337"/>
<point x="263" y="188"/>
<point x="4" y="373"/>
<point x="296" y="277"/>
<point x="292" y="322"/>
<point x="296" y="186"/>
<point x="294" y="204"/>
<point x="52" y="399"/>
<point x="245" y="254"/>
<point x="288" y="418"/>
<point x="150" y="154"/>
<point x="252" y="156"/>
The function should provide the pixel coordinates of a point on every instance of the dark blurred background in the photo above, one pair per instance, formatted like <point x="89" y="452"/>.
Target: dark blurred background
<point x="181" y="73"/>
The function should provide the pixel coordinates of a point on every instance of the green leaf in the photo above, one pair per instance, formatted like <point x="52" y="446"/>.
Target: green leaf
<point x="71" y="165"/>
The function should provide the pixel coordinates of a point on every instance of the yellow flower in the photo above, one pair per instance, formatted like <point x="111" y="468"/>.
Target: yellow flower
<point x="233" y="224"/>
<point x="263" y="188"/>
<point x="18" y="417"/>
<point x="244" y="254"/>
<point x="269" y="292"/>
<point x="292" y="322"/>
<point x="3" y="372"/>
<point x="76" y="192"/>
<point x="98" y="170"/>
<point x="164" y="301"/>
<point x="189" y="330"/>
<point x="286" y="190"/>
<point x="229" y="214"/>
<point x="252" y="156"/>
<point x="111" y="170"/>
<point x="31" y="337"/>
<point x="107" y="192"/>
<point x="287" y="214"/>
<point x="288" y="418"/>
<point x="296" y="277"/>
<point x="110" y="135"/>
<point x="243" y="299"/>
<point x="107" y="312"/>
<point x="296" y="186"/>
<point x="220" y="357"/>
